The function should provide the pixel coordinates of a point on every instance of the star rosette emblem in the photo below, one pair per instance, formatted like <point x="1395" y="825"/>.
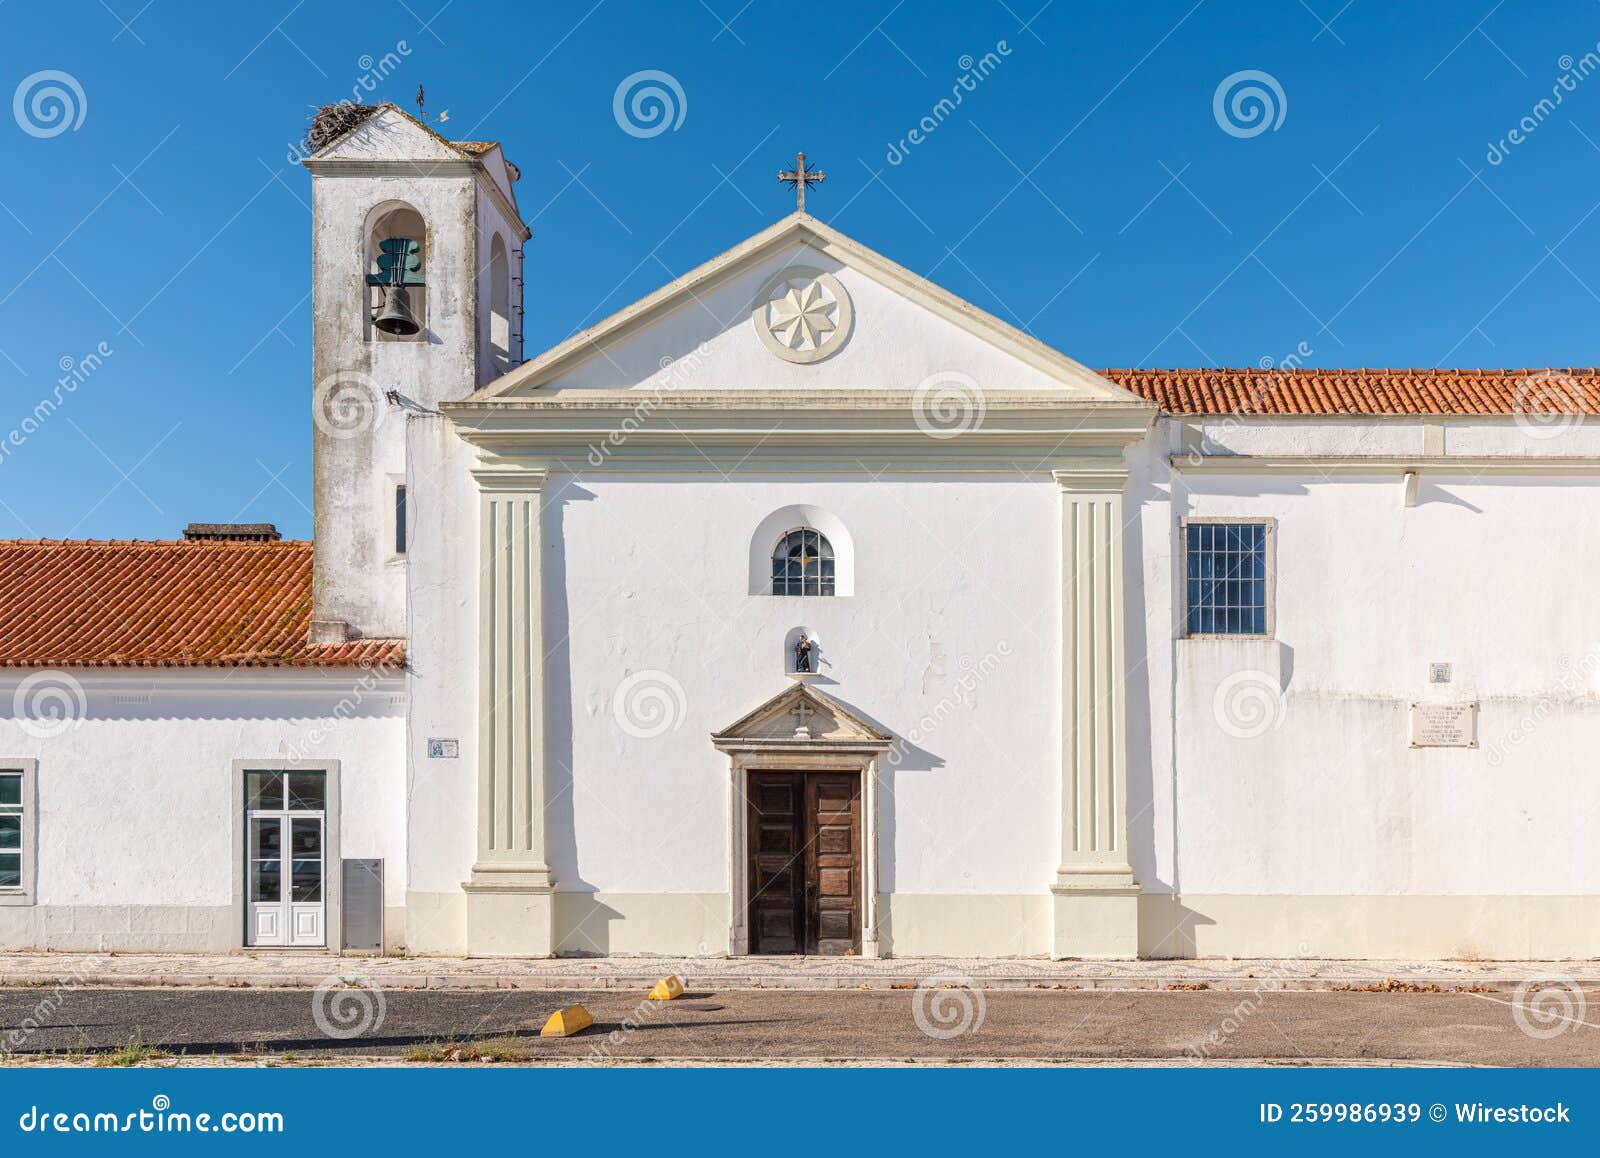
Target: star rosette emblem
<point x="803" y="315"/>
<point x="802" y="318"/>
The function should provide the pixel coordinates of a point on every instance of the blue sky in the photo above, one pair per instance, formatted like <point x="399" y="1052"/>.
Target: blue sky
<point x="1086" y="189"/>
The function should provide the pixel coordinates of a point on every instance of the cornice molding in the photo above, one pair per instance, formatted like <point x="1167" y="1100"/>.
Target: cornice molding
<point x="1500" y="464"/>
<point x="1028" y="431"/>
<point x="1064" y="401"/>
<point x="334" y="682"/>
<point x="391" y="167"/>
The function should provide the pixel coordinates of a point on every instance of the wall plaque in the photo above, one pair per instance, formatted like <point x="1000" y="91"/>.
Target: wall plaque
<point x="444" y="749"/>
<point x="1444" y="725"/>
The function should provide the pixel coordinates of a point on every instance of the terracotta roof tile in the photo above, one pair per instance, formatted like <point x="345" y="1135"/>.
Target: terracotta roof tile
<point x="1306" y="392"/>
<point x="92" y="603"/>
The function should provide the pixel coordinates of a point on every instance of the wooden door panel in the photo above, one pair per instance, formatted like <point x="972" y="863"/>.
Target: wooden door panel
<point x="834" y="838"/>
<point x="835" y="925"/>
<point x="834" y="882"/>
<point x="833" y="810"/>
<point x="777" y="862"/>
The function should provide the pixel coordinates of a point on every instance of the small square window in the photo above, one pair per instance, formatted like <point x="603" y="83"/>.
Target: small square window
<point x="1227" y="577"/>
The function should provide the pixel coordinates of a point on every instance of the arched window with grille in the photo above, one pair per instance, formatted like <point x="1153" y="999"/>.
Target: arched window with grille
<point x="802" y="564"/>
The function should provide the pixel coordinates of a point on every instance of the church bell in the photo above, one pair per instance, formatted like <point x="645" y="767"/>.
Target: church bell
<point x="399" y="265"/>
<point x="396" y="316"/>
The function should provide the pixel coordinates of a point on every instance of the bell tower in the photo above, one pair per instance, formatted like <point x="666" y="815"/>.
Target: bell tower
<point x="416" y="300"/>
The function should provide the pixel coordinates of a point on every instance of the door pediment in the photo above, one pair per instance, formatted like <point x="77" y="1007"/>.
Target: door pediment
<point x="800" y="717"/>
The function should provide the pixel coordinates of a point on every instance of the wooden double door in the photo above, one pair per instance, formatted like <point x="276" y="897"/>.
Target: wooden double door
<point x="805" y="862"/>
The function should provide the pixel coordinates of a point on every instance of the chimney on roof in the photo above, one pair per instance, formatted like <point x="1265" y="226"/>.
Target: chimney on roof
<point x="231" y="533"/>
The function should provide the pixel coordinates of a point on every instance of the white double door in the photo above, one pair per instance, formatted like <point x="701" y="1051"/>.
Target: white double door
<point x="285" y="821"/>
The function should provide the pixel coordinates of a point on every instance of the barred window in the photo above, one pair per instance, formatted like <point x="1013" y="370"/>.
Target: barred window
<point x="802" y="564"/>
<point x="1227" y="578"/>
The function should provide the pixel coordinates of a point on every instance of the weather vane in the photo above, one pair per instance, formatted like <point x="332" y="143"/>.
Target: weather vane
<point x="799" y="177"/>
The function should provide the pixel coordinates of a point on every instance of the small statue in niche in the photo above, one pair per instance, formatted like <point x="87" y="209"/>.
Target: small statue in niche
<point x="802" y="655"/>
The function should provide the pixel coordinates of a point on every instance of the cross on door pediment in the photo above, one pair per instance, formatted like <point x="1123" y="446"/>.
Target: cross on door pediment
<point x="803" y="712"/>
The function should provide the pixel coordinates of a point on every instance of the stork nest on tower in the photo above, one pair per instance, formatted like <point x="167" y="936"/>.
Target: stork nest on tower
<point x="330" y="122"/>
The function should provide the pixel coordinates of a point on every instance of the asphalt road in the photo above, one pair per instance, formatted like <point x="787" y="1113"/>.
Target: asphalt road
<point x="766" y="1025"/>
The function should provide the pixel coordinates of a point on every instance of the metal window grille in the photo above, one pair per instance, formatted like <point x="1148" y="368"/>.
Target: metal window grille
<point x="1227" y="578"/>
<point x="802" y="564"/>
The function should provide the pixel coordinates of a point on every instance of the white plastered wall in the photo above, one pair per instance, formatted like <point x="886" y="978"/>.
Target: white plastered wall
<point x="948" y="643"/>
<point x="135" y="798"/>
<point x="1327" y="834"/>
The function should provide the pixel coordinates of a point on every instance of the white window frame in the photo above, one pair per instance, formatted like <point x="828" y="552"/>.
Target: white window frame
<point x="332" y="856"/>
<point x="25" y="893"/>
<point x="1181" y="579"/>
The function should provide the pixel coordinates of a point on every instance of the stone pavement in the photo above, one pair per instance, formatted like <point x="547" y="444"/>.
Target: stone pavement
<point x="803" y="1027"/>
<point x="302" y="969"/>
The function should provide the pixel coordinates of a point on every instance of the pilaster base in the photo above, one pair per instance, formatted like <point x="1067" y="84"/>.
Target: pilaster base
<point x="1095" y="919"/>
<point x="511" y="917"/>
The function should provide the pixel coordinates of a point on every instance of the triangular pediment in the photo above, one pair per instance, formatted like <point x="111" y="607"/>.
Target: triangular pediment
<point x="391" y="134"/>
<point x="728" y="326"/>
<point x="801" y="714"/>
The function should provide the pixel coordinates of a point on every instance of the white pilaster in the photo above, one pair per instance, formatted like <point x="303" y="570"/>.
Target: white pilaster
<point x="869" y="909"/>
<point x="510" y="898"/>
<point x="1096" y="900"/>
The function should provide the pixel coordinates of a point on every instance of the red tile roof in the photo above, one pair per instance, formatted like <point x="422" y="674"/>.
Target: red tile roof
<point x="1304" y="392"/>
<point x="88" y="603"/>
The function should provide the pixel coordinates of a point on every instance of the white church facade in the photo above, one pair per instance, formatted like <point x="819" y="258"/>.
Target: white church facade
<point x="803" y="607"/>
